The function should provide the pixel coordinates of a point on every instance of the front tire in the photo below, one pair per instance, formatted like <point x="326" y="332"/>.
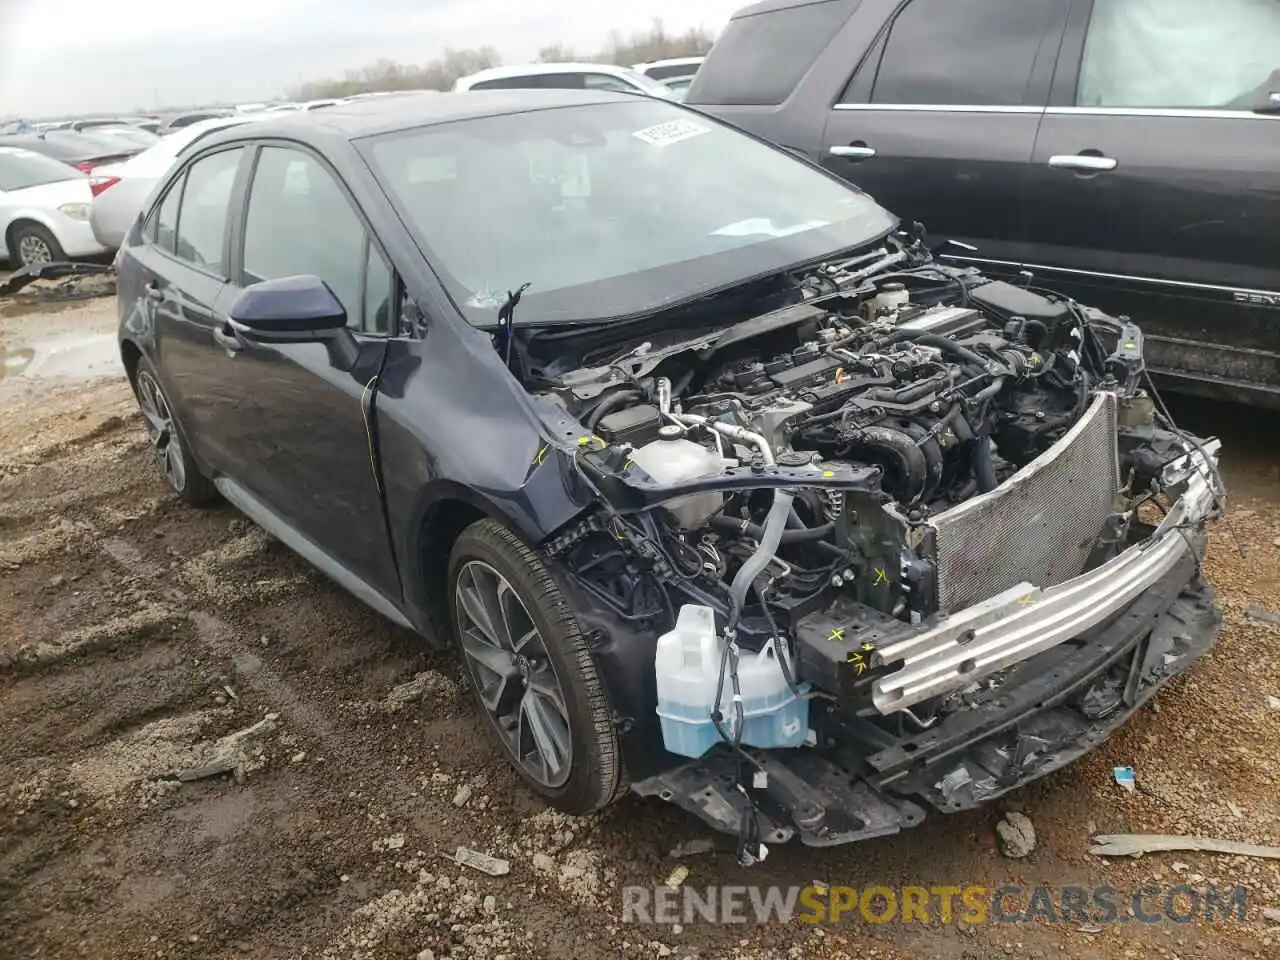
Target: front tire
<point x="529" y="665"/>
<point x="174" y="459"/>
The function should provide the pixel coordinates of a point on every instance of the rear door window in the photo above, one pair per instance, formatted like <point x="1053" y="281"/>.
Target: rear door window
<point x="976" y="53"/>
<point x="1181" y="54"/>
<point x="204" y="214"/>
<point x="163" y="228"/>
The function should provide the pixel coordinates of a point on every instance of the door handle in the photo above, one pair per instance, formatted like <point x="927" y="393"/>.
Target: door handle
<point x="153" y="293"/>
<point x="1086" y="162"/>
<point x="854" y="151"/>
<point x="227" y="341"/>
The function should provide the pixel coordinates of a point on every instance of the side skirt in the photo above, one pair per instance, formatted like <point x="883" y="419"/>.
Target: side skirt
<point x="263" y="516"/>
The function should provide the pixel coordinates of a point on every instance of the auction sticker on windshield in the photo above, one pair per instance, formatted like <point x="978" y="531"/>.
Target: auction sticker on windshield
<point x="673" y="131"/>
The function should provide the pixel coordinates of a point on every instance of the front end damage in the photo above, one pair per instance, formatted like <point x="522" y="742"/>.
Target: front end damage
<point x="911" y="542"/>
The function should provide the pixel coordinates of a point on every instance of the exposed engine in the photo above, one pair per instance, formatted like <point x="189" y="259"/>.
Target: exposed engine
<point x="832" y="478"/>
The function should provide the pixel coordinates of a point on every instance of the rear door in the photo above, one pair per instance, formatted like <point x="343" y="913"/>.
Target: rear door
<point x="1156" y="188"/>
<point x="939" y="119"/>
<point x="182" y="260"/>
<point x="297" y="418"/>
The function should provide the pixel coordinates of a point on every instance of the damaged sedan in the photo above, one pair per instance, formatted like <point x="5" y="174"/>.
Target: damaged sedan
<point x="724" y="488"/>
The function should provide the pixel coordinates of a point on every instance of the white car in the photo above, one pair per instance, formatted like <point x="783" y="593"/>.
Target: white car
<point x="670" y="69"/>
<point x="119" y="189"/>
<point x="571" y="76"/>
<point x="44" y="209"/>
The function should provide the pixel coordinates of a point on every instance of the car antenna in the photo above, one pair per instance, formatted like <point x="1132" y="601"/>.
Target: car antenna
<point x="507" y="317"/>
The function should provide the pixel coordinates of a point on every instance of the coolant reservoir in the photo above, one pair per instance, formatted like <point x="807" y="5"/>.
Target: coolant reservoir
<point x="674" y="459"/>
<point x="891" y="298"/>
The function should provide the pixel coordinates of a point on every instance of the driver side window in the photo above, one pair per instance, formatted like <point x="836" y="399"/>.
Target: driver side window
<point x="300" y="221"/>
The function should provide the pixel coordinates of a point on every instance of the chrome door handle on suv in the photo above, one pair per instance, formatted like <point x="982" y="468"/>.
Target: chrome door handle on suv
<point x="1086" y="162"/>
<point x="855" y="151"/>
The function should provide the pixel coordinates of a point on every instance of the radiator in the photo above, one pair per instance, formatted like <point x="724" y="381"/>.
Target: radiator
<point x="1040" y="525"/>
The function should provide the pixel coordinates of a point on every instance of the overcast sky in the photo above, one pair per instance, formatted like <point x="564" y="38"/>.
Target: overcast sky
<point x="70" y="56"/>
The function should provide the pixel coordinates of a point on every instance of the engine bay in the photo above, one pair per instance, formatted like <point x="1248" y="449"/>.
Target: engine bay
<point x="791" y="498"/>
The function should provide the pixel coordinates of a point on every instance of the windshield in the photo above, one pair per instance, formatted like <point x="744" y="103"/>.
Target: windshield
<point x="20" y="169"/>
<point x="610" y="209"/>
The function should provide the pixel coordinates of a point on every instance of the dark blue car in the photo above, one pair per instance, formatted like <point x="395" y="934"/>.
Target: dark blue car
<point x="724" y="487"/>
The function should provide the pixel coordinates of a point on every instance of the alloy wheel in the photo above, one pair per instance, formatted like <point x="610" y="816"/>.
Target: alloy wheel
<point x="164" y="440"/>
<point x="33" y="250"/>
<point x="514" y="674"/>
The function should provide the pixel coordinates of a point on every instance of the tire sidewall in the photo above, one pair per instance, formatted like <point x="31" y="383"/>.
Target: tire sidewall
<point x="584" y="790"/>
<point x="196" y="488"/>
<point x="45" y="236"/>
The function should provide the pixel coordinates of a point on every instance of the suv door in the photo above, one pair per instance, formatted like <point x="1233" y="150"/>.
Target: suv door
<point x="939" y="119"/>
<point x="1155" y="185"/>
<point x="297" y="418"/>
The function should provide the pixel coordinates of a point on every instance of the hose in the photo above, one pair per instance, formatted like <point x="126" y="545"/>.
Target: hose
<point x="984" y="467"/>
<point x="903" y="449"/>
<point x="770" y="537"/>
<point x="611" y="403"/>
<point x="932" y="340"/>
<point x="789" y="536"/>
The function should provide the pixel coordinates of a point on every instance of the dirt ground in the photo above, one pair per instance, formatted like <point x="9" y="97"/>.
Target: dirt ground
<point x="137" y="635"/>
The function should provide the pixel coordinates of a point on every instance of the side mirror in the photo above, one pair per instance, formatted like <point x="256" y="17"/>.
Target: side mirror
<point x="289" y="309"/>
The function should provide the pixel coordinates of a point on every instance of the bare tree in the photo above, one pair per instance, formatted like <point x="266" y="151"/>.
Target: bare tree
<point x="556" y="53"/>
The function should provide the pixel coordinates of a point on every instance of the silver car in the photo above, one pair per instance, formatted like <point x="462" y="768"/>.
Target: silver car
<point x="120" y="189"/>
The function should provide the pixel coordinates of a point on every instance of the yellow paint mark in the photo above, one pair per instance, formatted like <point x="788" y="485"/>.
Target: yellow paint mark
<point x="1131" y="346"/>
<point x="828" y="474"/>
<point x="868" y="647"/>
<point x="1027" y="601"/>
<point x="837" y="634"/>
<point x="541" y="456"/>
<point x="881" y="576"/>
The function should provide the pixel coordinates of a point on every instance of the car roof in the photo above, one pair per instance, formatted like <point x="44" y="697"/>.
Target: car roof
<point x="541" y="69"/>
<point x="354" y="119"/>
<point x="670" y="62"/>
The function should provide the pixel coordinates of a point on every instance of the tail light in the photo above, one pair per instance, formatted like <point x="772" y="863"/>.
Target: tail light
<point x="99" y="184"/>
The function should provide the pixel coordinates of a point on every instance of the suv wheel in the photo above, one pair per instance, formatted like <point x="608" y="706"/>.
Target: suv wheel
<point x="528" y="663"/>
<point x="175" y="461"/>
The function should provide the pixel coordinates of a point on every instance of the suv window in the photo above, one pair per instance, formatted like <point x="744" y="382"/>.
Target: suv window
<point x="206" y="202"/>
<point x="1175" y="53"/>
<point x="942" y="53"/>
<point x="746" y="65"/>
<point x="300" y="221"/>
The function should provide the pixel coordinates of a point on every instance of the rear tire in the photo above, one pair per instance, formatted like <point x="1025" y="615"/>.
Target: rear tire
<point x="30" y="244"/>
<point x="171" y="454"/>
<point x="511" y="680"/>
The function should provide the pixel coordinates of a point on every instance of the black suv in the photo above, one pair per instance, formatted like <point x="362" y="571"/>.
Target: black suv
<point x="1126" y="152"/>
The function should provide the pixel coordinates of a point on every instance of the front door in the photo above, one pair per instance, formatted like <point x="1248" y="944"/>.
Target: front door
<point x="298" y="417"/>
<point x="1155" y="183"/>
<point x="939" y="119"/>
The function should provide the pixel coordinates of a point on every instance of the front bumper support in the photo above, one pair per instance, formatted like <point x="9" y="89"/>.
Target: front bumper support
<point x="1026" y="620"/>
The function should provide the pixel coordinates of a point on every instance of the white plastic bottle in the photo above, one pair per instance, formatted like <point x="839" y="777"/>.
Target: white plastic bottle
<point x="687" y="664"/>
